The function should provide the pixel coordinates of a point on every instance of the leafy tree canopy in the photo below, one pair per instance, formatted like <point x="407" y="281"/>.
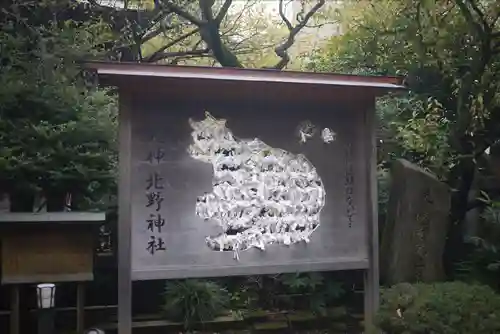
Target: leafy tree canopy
<point x="56" y="132"/>
<point x="449" y="51"/>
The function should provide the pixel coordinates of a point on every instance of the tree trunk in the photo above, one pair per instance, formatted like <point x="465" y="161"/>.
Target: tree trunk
<point x="56" y="201"/>
<point x="455" y="250"/>
<point x="222" y="54"/>
<point x="210" y="32"/>
<point x="21" y="201"/>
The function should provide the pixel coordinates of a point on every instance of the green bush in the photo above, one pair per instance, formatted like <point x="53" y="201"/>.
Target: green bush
<point x="194" y="301"/>
<point x="440" y="308"/>
<point x="483" y="262"/>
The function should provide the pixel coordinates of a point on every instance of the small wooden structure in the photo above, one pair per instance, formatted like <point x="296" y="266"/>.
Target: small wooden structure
<point x="168" y="240"/>
<point x="47" y="247"/>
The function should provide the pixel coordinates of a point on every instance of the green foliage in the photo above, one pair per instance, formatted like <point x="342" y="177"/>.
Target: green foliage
<point x="244" y="296"/>
<point x="311" y="291"/>
<point x="249" y="31"/>
<point x="435" y="46"/>
<point x="57" y="132"/>
<point x="194" y="301"/>
<point x="319" y="291"/>
<point x="449" y="53"/>
<point x="375" y="42"/>
<point x="301" y="281"/>
<point x="315" y="292"/>
<point x="444" y="308"/>
<point x="483" y="263"/>
<point x="383" y="186"/>
<point x="415" y="129"/>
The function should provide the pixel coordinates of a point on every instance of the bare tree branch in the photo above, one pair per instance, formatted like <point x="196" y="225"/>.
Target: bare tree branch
<point x="197" y="44"/>
<point x="160" y="15"/>
<point x="197" y="53"/>
<point x="206" y="10"/>
<point x="223" y="11"/>
<point x="243" y="40"/>
<point x="496" y="17"/>
<point x="210" y="32"/>
<point x="282" y="49"/>
<point x="176" y="60"/>
<point x="159" y="52"/>
<point x="421" y="45"/>
<point x="283" y="17"/>
<point x="320" y="25"/>
<point x="464" y="9"/>
<point x="145" y="39"/>
<point x="182" y="13"/>
<point x="237" y="19"/>
<point x="482" y="17"/>
<point x="152" y="34"/>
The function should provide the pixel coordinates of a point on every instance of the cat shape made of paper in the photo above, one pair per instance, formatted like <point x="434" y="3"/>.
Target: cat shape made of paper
<point x="261" y="195"/>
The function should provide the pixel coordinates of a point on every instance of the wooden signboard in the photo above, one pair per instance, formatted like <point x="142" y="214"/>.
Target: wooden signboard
<point x="48" y="247"/>
<point x="243" y="172"/>
<point x="169" y="236"/>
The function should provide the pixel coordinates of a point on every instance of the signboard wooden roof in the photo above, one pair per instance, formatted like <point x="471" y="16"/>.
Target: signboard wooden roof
<point x="237" y="83"/>
<point x="48" y="246"/>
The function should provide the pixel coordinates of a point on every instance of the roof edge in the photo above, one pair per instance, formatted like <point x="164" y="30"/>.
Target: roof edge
<point x="117" y="69"/>
<point x="52" y="217"/>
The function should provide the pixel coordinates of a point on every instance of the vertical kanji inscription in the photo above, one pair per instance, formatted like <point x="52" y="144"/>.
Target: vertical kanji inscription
<point x="154" y="188"/>
<point x="349" y="185"/>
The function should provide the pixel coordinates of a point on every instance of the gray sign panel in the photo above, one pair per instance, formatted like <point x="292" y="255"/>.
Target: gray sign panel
<point x="169" y="181"/>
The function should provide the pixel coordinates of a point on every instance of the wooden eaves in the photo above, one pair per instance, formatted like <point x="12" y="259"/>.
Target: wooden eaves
<point x="183" y="82"/>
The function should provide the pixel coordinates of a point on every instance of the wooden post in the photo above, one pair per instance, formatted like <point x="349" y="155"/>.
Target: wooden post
<point x="14" y="309"/>
<point x="371" y="279"/>
<point x="80" y="307"/>
<point x="124" y="221"/>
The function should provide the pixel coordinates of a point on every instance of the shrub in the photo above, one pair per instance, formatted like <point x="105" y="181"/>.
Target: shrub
<point x="194" y="301"/>
<point x="440" y="308"/>
<point x="483" y="262"/>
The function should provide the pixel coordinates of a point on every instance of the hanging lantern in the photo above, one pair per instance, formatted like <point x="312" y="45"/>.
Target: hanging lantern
<point x="45" y="295"/>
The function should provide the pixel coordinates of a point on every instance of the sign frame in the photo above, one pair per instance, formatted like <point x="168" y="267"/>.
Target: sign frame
<point x="301" y="87"/>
